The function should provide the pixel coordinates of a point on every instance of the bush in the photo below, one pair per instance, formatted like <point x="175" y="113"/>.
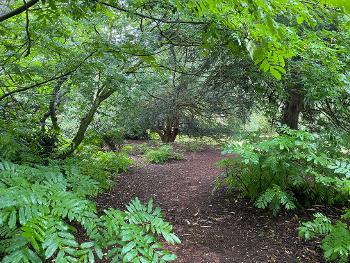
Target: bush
<point x="102" y="166"/>
<point x="193" y="146"/>
<point x="336" y="237"/>
<point x="140" y="148"/>
<point x="128" y="148"/>
<point x="41" y="206"/>
<point x="288" y="170"/>
<point x="162" y="154"/>
<point x="18" y="146"/>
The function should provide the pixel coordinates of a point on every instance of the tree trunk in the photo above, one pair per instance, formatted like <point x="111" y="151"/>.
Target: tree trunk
<point x="85" y="122"/>
<point x="170" y="131"/>
<point x="110" y="142"/>
<point x="292" y="109"/>
<point x="54" y="104"/>
<point x="48" y="140"/>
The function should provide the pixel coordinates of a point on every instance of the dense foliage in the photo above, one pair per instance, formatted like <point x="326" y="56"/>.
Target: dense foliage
<point x="285" y="171"/>
<point x="162" y="154"/>
<point x="42" y="208"/>
<point x="295" y="169"/>
<point x="79" y="77"/>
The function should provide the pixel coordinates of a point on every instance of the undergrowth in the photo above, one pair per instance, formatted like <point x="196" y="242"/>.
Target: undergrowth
<point x="286" y="171"/>
<point x="102" y="165"/>
<point x="290" y="170"/>
<point x="47" y="212"/>
<point x="40" y="207"/>
<point x="162" y="154"/>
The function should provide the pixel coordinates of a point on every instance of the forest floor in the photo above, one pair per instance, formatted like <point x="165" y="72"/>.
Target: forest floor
<point x="213" y="227"/>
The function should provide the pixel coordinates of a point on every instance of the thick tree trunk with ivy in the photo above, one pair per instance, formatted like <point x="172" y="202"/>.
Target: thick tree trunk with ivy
<point x="101" y="95"/>
<point x="293" y="106"/>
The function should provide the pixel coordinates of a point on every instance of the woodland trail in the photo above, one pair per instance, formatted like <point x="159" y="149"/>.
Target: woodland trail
<point x="212" y="228"/>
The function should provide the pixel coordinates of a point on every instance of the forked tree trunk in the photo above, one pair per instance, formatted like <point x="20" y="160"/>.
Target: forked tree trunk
<point x="170" y="131"/>
<point x="292" y="109"/>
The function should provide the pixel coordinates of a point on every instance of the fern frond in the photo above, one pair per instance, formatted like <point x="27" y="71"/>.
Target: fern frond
<point x="275" y="197"/>
<point x="321" y="225"/>
<point x="336" y="245"/>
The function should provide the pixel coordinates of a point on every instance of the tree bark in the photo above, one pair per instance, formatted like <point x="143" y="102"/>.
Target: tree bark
<point x="54" y="104"/>
<point x="292" y="108"/>
<point x="170" y="131"/>
<point x="48" y="140"/>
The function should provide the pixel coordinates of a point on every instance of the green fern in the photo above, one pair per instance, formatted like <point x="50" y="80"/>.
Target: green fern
<point x="162" y="154"/>
<point x="275" y="197"/>
<point x="340" y="167"/>
<point x="40" y="206"/>
<point x="287" y="169"/>
<point x="336" y="245"/>
<point x="336" y="238"/>
<point x="321" y="225"/>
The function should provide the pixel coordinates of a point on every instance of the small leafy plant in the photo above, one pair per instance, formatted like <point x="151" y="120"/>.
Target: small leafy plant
<point x="335" y="237"/>
<point x="162" y="154"/>
<point x="102" y="166"/>
<point x="193" y="146"/>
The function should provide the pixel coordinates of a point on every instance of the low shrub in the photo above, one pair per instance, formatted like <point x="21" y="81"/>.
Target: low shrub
<point x="128" y="148"/>
<point x="140" y="148"/>
<point x="102" y="166"/>
<point x="292" y="169"/>
<point x="42" y="206"/>
<point x="193" y="146"/>
<point x="163" y="154"/>
<point x="335" y="237"/>
<point x="288" y="170"/>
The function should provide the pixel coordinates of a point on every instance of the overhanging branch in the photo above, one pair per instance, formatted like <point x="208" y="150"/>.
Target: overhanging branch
<point x="18" y="10"/>
<point x="148" y="16"/>
<point x="48" y="80"/>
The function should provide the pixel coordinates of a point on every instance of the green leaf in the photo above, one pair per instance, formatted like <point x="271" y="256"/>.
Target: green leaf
<point x="275" y="73"/>
<point x="50" y="250"/>
<point x="87" y="245"/>
<point x="169" y="257"/>
<point x="300" y="20"/>
<point x="12" y="220"/>
<point x="128" y="247"/>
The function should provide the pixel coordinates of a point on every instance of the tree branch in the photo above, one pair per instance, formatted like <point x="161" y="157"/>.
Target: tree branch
<point x="150" y="17"/>
<point x="18" y="10"/>
<point x="29" y="40"/>
<point x="48" y="80"/>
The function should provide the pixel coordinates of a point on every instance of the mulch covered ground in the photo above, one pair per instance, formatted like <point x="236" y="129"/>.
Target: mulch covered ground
<point x="212" y="228"/>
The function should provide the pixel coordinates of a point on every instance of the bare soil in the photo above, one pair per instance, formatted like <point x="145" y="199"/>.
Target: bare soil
<point x="214" y="227"/>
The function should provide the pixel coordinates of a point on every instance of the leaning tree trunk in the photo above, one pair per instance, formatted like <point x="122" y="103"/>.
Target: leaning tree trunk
<point x="85" y="122"/>
<point x="292" y="108"/>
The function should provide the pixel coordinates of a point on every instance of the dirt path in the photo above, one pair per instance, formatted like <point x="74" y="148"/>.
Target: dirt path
<point x="212" y="228"/>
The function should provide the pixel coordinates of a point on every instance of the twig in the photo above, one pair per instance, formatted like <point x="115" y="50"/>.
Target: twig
<point x="150" y="17"/>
